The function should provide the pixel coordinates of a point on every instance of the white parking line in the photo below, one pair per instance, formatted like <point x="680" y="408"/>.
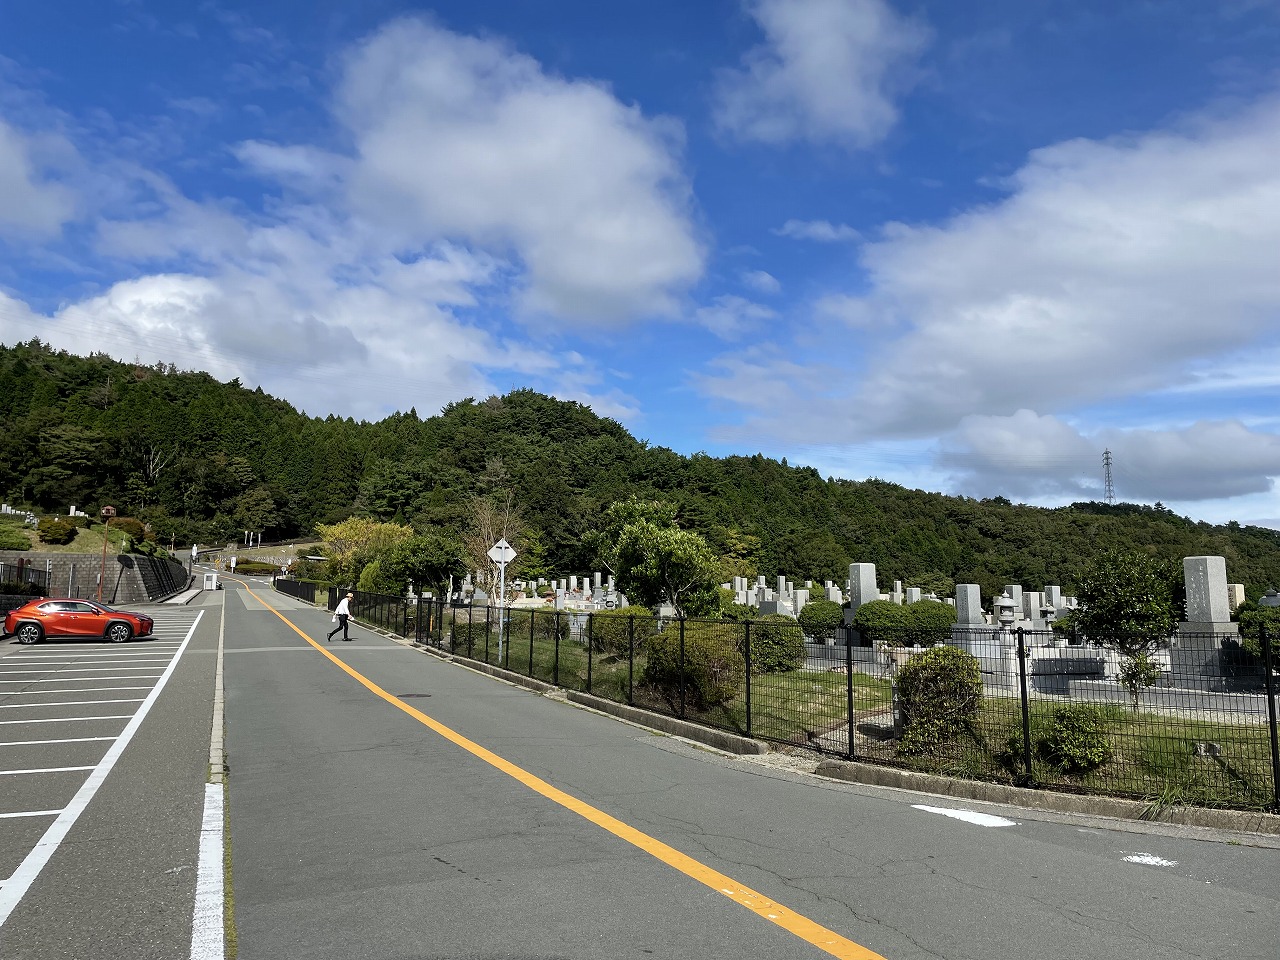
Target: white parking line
<point x="17" y="885"/>
<point x="36" y="743"/>
<point x="50" y="693"/>
<point x="11" y="673"/>
<point x="29" y="813"/>
<point x="14" y="773"/>
<point x="64" y="703"/>
<point x="77" y="679"/>
<point x="127" y="716"/>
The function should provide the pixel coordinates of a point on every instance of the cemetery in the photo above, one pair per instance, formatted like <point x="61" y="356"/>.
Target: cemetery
<point x="1044" y="706"/>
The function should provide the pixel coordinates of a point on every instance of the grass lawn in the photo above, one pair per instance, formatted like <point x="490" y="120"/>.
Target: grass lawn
<point x="86" y="541"/>
<point x="1153" y="756"/>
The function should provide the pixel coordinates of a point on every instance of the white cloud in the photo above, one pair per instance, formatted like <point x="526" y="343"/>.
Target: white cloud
<point x="822" y="231"/>
<point x="464" y="138"/>
<point x="731" y="317"/>
<point x="34" y="204"/>
<point x="827" y="72"/>
<point x="1113" y="268"/>
<point x="761" y="281"/>
<point x="1029" y="455"/>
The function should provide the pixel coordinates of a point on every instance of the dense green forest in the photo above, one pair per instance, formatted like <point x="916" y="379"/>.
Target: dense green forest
<point x="201" y="461"/>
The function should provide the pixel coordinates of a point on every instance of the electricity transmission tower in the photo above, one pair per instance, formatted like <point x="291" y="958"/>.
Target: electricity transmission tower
<point x="1108" y="488"/>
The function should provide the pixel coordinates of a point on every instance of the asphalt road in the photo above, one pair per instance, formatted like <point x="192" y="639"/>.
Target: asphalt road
<point x="358" y="831"/>
<point x="480" y="820"/>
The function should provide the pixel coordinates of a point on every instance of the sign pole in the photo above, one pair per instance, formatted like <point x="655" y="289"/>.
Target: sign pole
<point x="502" y="553"/>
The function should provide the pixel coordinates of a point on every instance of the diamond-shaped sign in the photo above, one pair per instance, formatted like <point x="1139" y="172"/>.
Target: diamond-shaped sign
<point x="502" y="552"/>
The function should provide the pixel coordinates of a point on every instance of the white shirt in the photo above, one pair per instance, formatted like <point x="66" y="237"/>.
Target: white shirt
<point x="343" y="609"/>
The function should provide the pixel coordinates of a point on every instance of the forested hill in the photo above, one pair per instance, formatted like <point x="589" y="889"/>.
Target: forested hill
<point x="202" y="460"/>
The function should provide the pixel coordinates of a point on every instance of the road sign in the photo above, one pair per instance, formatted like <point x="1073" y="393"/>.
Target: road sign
<point x="502" y="552"/>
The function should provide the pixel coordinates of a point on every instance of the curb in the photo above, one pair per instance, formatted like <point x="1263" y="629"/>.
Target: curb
<point x="728" y="742"/>
<point x="1242" y="821"/>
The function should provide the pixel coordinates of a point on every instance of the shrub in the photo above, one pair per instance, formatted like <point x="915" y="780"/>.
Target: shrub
<point x="373" y="579"/>
<point x="13" y="539"/>
<point x="713" y="668"/>
<point x="256" y="568"/>
<point x="1075" y="739"/>
<point x="821" y="618"/>
<point x="56" y="530"/>
<point x="881" y="621"/>
<point x="19" y="588"/>
<point x="939" y="693"/>
<point x="609" y="628"/>
<point x="929" y="622"/>
<point x="777" y="644"/>
<point x="131" y="526"/>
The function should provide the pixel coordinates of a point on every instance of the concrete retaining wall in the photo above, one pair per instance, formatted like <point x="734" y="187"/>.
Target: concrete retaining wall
<point x="130" y="578"/>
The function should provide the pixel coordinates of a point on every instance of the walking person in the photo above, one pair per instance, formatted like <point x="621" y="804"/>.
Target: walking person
<point x="342" y="613"/>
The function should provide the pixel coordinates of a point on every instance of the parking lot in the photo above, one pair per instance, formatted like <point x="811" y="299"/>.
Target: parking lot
<point x="68" y="710"/>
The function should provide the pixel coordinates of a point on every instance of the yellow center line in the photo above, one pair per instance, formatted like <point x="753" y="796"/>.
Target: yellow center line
<point x="804" y="928"/>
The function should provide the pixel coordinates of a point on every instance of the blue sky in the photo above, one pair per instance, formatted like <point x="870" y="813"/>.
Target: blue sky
<point x="962" y="246"/>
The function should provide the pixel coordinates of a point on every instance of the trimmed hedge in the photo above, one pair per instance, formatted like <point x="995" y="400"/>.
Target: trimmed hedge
<point x="939" y="693"/>
<point x="609" y="629"/>
<point x="777" y="644"/>
<point x="712" y="671"/>
<point x="1075" y="739"/>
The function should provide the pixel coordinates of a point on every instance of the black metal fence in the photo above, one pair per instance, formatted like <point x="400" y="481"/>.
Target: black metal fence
<point x="301" y="589"/>
<point x="1032" y="708"/>
<point x="33" y="579"/>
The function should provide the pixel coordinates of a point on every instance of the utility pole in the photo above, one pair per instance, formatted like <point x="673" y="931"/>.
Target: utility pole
<point x="1108" y="490"/>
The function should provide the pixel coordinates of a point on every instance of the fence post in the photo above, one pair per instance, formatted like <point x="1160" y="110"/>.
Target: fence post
<point x="531" y="615"/>
<point x="471" y="647"/>
<point x="1267" y="664"/>
<point x="1026" y="704"/>
<point x="488" y="629"/>
<point x="591" y="621"/>
<point x="848" y="684"/>
<point x="631" y="659"/>
<point x="555" y="671"/>
<point x="682" y="668"/>
<point x="746" y="645"/>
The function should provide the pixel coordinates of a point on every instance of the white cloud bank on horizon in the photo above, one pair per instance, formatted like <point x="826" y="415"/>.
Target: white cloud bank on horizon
<point x="827" y="72"/>
<point x="1113" y="269"/>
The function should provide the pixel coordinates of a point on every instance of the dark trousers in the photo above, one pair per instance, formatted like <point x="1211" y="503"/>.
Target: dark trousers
<point x="342" y="625"/>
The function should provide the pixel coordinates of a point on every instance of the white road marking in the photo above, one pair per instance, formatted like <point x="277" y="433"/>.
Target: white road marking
<point x="29" y="813"/>
<point x="77" y="680"/>
<point x="11" y="773"/>
<point x="126" y="716"/>
<point x="208" y="927"/>
<point x="36" y="743"/>
<point x="17" y="885"/>
<point x="41" y="693"/>
<point x="1150" y="860"/>
<point x="969" y="816"/>
<point x="46" y="670"/>
<point x="64" y="703"/>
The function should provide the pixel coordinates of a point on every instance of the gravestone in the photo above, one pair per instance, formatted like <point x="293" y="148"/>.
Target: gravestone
<point x="1195" y="654"/>
<point x="969" y="604"/>
<point x="913" y="594"/>
<point x="862" y="585"/>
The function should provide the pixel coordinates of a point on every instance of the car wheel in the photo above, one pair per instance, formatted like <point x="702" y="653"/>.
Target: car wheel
<point x="29" y="633"/>
<point x="119" y="632"/>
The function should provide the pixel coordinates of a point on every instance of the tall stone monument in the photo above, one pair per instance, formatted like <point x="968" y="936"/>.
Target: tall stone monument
<point x="1195" y="653"/>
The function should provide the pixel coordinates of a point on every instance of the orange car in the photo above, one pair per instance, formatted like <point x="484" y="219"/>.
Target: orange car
<point x="68" y="617"/>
